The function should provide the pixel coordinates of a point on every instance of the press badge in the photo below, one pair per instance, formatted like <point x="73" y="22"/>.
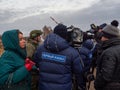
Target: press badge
<point x="53" y="57"/>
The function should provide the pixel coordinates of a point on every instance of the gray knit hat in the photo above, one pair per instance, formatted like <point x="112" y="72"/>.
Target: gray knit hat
<point x="111" y="30"/>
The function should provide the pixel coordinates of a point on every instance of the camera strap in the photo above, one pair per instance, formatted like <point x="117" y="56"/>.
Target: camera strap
<point x="82" y="63"/>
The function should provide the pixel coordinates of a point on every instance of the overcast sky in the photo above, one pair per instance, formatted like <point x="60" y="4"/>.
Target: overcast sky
<point x="27" y="15"/>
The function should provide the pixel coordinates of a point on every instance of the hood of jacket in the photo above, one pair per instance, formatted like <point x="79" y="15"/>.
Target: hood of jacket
<point x="55" y="43"/>
<point x="110" y="42"/>
<point x="88" y="44"/>
<point x="10" y="42"/>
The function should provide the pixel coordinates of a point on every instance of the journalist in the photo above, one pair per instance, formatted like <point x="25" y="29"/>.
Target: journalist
<point x="58" y="61"/>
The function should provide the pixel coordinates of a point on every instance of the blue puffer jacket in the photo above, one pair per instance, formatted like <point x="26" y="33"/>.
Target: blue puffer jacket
<point x="57" y="61"/>
<point x="86" y="56"/>
<point x="86" y="53"/>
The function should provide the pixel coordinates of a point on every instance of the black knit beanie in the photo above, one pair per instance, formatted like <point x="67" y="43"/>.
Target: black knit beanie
<point x="61" y="30"/>
<point x="115" y="23"/>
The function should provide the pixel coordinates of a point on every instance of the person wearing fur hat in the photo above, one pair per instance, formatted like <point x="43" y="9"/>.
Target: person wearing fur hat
<point x="57" y="61"/>
<point x="108" y="65"/>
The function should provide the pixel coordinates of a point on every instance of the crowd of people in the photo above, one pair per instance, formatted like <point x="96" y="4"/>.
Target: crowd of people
<point x="59" y="59"/>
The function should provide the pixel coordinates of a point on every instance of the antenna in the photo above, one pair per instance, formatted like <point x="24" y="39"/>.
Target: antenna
<point x="54" y="20"/>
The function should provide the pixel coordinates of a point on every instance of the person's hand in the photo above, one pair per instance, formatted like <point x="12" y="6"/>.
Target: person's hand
<point x="29" y="64"/>
<point x="90" y="77"/>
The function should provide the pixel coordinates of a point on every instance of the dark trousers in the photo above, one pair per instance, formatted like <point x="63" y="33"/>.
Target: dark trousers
<point x="34" y="81"/>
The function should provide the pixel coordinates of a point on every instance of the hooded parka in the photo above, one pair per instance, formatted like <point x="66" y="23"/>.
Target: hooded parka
<point x="57" y="61"/>
<point x="12" y="62"/>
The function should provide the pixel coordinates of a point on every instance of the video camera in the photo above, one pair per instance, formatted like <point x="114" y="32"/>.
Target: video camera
<point x="90" y="34"/>
<point x="75" y="36"/>
<point x="94" y="29"/>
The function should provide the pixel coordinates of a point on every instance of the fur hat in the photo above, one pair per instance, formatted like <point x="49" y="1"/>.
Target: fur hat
<point x="61" y="30"/>
<point x="110" y="31"/>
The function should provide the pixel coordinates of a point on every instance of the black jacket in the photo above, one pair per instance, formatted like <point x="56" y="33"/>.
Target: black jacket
<point x="108" y="66"/>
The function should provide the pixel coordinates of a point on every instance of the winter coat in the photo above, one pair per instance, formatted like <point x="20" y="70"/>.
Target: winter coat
<point x="86" y="53"/>
<point x="57" y="62"/>
<point x="108" y="68"/>
<point x="86" y="56"/>
<point x="31" y="47"/>
<point x="12" y="61"/>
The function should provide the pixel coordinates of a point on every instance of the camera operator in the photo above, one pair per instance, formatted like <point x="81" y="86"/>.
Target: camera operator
<point x="96" y="31"/>
<point x="58" y="61"/>
<point x="86" y="55"/>
<point x="95" y="34"/>
<point x="84" y="47"/>
<point x="97" y="38"/>
<point x="90" y="34"/>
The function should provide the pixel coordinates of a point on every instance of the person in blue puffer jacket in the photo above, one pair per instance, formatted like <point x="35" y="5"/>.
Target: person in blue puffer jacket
<point x="85" y="52"/>
<point x="57" y="61"/>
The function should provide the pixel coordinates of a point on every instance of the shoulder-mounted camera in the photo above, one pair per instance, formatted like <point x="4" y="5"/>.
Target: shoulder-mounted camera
<point x="75" y="36"/>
